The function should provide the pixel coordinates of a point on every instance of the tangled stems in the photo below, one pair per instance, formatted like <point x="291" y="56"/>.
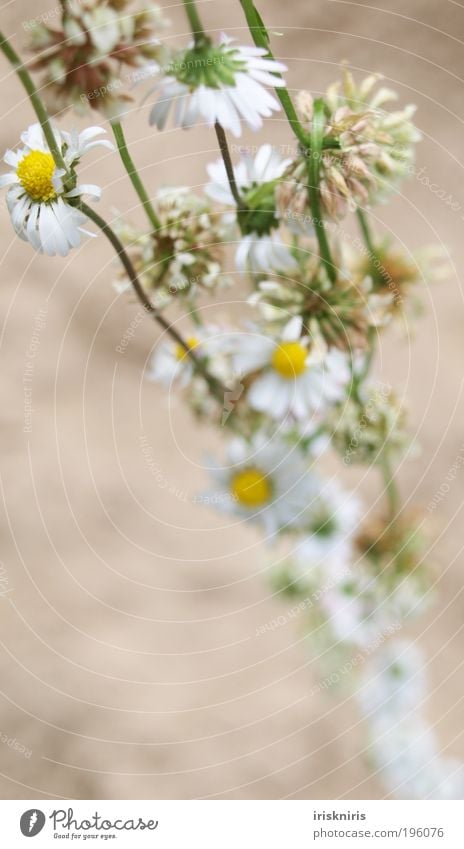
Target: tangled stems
<point x="36" y="102"/>
<point x="215" y="386"/>
<point x="133" y="174"/>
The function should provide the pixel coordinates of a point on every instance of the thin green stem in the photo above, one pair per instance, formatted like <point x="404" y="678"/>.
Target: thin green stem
<point x="261" y="39"/>
<point x="198" y="32"/>
<point x="134" y="175"/>
<point x="36" y="102"/>
<point x="390" y="487"/>
<point x="366" y="232"/>
<point x="215" y="386"/>
<point x="314" y="166"/>
<point x="391" y="490"/>
<point x="224" y="148"/>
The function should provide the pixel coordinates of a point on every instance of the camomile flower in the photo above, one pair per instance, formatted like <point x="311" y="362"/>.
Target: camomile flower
<point x="263" y="481"/>
<point x="40" y="195"/>
<point x="260" y="249"/>
<point x="171" y="362"/>
<point x="292" y="375"/>
<point x="223" y="83"/>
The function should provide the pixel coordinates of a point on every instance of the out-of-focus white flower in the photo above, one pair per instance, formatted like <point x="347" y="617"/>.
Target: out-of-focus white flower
<point x="83" y="56"/>
<point x="264" y="481"/>
<point x="39" y="201"/>
<point x="393" y="681"/>
<point x="171" y="362"/>
<point x="297" y="376"/>
<point x="260" y="249"/>
<point x="224" y="83"/>
<point x="392" y="697"/>
<point x="332" y="518"/>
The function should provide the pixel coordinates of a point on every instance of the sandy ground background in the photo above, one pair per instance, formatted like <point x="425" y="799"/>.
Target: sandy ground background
<point x="129" y="663"/>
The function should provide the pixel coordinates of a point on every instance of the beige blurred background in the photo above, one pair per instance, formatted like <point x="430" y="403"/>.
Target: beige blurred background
<point x="129" y="661"/>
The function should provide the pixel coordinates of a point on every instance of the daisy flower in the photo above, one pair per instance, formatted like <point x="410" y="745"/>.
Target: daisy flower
<point x="264" y="481"/>
<point x="223" y="83"/>
<point x="38" y="199"/>
<point x="297" y="375"/>
<point x="170" y="361"/>
<point x="260" y="249"/>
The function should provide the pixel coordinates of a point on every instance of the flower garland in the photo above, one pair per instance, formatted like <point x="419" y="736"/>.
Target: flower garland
<point x="293" y="386"/>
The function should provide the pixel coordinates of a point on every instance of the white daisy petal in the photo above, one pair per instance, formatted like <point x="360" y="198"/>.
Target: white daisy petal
<point x="38" y="205"/>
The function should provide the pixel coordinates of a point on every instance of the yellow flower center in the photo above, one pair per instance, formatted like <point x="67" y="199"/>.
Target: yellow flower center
<point x="181" y="353"/>
<point x="251" y="488"/>
<point x="35" y="172"/>
<point x="289" y="359"/>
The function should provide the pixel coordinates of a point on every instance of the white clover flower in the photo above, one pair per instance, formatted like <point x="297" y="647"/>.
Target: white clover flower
<point x="297" y="376"/>
<point x="265" y="481"/>
<point x="260" y="249"/>
<point x="38" y="200"/>
<point x="224" y="83"/>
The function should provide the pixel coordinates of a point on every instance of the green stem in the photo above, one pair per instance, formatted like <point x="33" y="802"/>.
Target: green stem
<point x="133" y="175"/>
<point x="261" y="39"/>
<point x="198" y="32"/>
<point x="224" y="148"/>
<point x="36" y="102"/>
<point x="215" y="386"/>
<point x="366" y="232"/>
<point x="391" y="490"/>
<point x="314" y="165"/>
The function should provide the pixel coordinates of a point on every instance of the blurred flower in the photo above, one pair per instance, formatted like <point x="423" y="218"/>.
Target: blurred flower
<point x="260" y="248"/>
<point x="292" y="375"/>
<point x="401" y="275"/>
<point x="184" y="255"/>
<point x="394" y="680"/>
<point x="223" y="83"/>
<point x="394" y="547"/>
<point x="40" y="196"/>
<point x="392" y="696"/>
<point x="332" y="519"/>
<point x="82" y="60"/>
<point x="171" y="362"/>
<point x="264" y="481"/>
<point x="367" y="428"/>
